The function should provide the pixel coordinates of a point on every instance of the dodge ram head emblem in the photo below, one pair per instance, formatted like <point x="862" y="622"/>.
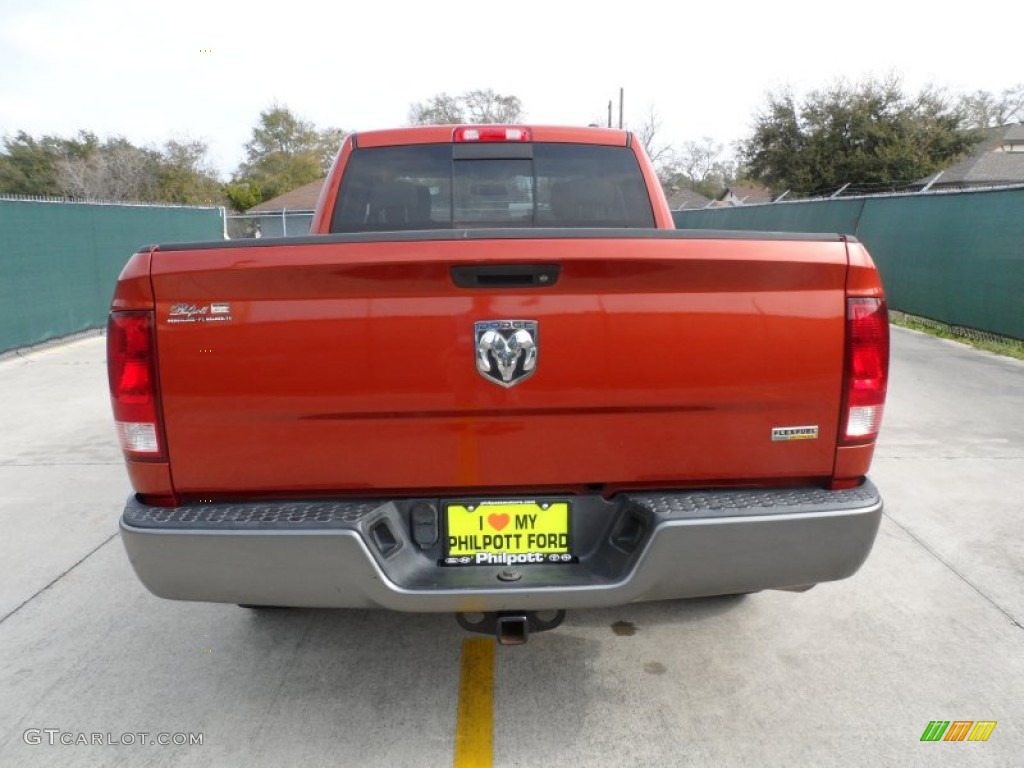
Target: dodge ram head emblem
<point x="506" y="350"/>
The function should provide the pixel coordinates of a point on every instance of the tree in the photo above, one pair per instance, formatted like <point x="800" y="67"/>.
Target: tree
<point x="704" y="167"/>
<point x="29" y="166"/>
<point x="986" y="110"/>
<point x="329" y="141"/>
<point x="115" y="170"/>
<point x="243" y="195"/>
<point x="284" y="152"/>
<point x="119" y="170"/>
<point x="871" y="135"/>
<point x="701" y="166"/>
<point x="475" y="107"/>
<point x="185" y="175"/>
<point x="1011" y="105"/>
<point x="486" y="106"/>
<point x="662" y="156"/>
<point x="441" y="109"/>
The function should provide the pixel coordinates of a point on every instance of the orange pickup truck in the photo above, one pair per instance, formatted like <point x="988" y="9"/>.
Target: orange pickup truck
<point x="496" y="381"/>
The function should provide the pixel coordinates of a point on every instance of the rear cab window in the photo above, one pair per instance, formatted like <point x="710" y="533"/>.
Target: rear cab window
<point x="457" y="186"/>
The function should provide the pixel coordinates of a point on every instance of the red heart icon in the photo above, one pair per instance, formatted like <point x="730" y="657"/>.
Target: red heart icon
<point x="498" y="522"/>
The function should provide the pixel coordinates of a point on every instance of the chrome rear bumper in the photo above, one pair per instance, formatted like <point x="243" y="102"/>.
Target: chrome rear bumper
<point x="636" y="547"/>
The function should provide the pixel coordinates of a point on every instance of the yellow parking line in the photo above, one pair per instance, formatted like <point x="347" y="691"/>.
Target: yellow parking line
<point x="474" y="728"/>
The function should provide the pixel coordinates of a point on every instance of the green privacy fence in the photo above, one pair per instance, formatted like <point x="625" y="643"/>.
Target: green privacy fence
<point x="953" y="257"/>
<point x="59" y="261"/>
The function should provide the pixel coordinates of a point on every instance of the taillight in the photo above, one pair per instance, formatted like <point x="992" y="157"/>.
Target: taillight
<point x="492" y="133"/>
<point x="131" y="367"/>
<point x="867" y="369"/>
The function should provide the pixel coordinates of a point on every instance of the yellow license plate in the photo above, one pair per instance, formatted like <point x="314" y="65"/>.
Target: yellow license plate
<point x="507" y="533"/>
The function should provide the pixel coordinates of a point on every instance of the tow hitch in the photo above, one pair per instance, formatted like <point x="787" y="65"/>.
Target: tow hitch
<point x="510" y="627"/>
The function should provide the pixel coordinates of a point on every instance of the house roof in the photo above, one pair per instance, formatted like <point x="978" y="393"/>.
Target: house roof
<point x="989" y="168"/>
<point x="678" y="199"/>
<point x="299" y="199"/>
<point x="988" y="164"/>
<point x="1014" y="133"/>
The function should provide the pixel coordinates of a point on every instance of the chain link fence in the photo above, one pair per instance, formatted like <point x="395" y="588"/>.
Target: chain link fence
<point x="283" y="223"/>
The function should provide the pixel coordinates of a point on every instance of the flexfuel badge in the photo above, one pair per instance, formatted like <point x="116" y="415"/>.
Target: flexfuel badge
<point x="780" y="434"/>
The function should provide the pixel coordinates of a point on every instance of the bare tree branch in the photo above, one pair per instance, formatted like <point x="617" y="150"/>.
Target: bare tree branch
<point x="480" y="106"/>
<point x="662" y="156"/>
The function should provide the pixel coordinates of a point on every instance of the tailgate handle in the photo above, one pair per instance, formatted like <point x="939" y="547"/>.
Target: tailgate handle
<point x="506" y="276"/>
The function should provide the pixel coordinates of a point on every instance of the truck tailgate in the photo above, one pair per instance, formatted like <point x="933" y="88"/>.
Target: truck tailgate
<point x="347" y="363"/>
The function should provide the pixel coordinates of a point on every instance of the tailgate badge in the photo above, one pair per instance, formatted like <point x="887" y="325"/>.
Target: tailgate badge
<point x="785" y="434"/>
<point x="182" y="312"/>
<point x="506" y="350"/>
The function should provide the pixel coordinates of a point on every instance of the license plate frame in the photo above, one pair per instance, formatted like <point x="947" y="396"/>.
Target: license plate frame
<point x="531" y="532"/>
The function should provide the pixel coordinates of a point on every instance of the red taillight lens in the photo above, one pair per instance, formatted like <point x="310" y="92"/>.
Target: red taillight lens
<point x="492" y="133"/>
<point x="867" y="369"/>
<point x="131" y="368"/>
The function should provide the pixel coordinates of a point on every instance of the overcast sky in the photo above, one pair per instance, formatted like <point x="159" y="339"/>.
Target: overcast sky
<point x="153" y="71"/>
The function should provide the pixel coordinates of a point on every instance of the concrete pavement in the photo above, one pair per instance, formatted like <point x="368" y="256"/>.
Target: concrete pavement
<point x="847" y="674"/>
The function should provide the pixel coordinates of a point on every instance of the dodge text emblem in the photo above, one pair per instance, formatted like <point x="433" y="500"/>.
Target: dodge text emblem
<point x="506" y="350"/>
